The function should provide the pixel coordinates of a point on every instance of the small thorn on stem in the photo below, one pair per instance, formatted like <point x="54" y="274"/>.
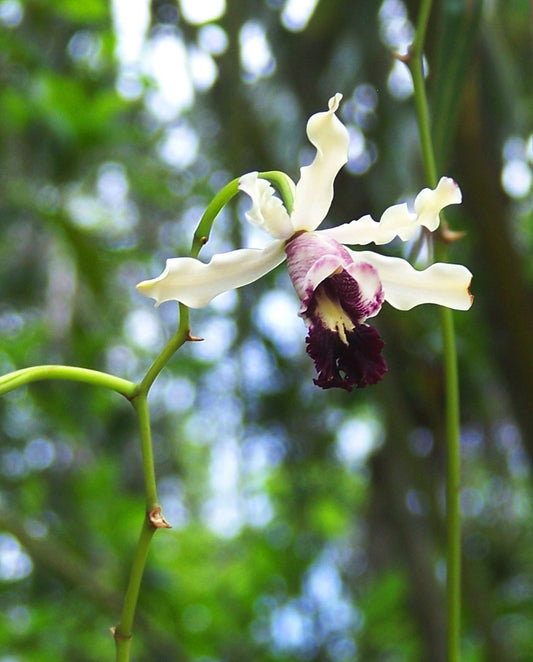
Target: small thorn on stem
<point x="193" y="338"/>
<point x="403" y="57"/>
<point x="155" y="516"/>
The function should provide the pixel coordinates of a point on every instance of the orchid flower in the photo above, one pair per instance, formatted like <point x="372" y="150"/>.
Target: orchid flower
<point x="339" y="288"/>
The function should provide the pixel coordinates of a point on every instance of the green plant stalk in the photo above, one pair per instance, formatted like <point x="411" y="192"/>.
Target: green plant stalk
<point x="453" y="488"/>
<point x="414" y="61"/>
<point x="216" y="205"/>
<point x="181" y="336"/>
<point x="138" y="395"/>
<point x="18" y="378"/>
<point x="453" y="516"/>
<point x="124" y="630"/>
<point x="143" y="416"/>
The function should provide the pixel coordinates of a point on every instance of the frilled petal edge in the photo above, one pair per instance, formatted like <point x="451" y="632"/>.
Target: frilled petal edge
<point x="406" y="287"/>
<point x="195" y="283"/>
<point x="430" y="202"/>
<point x="314" y="191"/>
<point x="397" y="221"/>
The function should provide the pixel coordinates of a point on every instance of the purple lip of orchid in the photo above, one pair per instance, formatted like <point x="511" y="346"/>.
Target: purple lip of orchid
<point x="338" y="294"/>
<point x="356" y="362"/>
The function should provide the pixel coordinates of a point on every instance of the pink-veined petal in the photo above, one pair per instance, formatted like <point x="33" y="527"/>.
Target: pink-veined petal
<point x="314" y="191"/>
<point x="313" y="259"/>
<point x="406" y="287"/>
<point x="430" y="202"/>
<point x="368" y="289"/>
<point x="267" y="211"/>
<point x="195" y="283"/>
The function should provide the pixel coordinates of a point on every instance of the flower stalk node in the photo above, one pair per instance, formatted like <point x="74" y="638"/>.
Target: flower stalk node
<point x="118" y="636"/>
<point x="157" y="520"/>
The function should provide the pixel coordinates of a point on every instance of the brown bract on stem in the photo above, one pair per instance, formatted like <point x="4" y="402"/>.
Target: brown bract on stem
<point x="449" y="236"/>
<point x="157" y="520"/>
<point x="405" y="58"/>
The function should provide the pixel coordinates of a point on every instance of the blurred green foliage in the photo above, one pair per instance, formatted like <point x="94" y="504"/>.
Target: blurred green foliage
<point x="308" y="525"/>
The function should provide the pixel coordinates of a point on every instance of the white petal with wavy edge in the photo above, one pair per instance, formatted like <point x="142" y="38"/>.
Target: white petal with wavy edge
<point x="406" y="287"/>
<point x="430" y="202"/>
<point x="397" y="221"/>
<point x="196" y="283"/>
<point x="267" y="211"/>
<point x="314" y="191"/>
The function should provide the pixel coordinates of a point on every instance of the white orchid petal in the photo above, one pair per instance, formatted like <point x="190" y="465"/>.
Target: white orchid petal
<point x="430" y="202"/>
<point x="314" y="191"/>
<point x="397" y="221"/>
<point x="195" y="283"/>
<point x="406" y="287"/>
<point x="267" y="211"/>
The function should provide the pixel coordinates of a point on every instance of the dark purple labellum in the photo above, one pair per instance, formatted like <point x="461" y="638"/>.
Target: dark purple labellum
<point x="346" y="351"/>
<point x="344" y="357"/>
<point x="358" y="363"/>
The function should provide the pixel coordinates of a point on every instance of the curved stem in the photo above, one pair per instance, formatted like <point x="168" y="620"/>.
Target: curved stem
<point x="37" y="373"/>
<point x="453" y="516"/>
<point x="281" y="182"/>
<point x="216" y="205"/>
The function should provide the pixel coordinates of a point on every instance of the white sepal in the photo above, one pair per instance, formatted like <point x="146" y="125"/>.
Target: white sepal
<point x="195" y="283"/>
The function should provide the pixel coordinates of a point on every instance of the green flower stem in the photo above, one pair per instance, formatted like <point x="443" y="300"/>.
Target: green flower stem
<point x="216" y="205"/>
<point x="181" y="336"/>
<point x="453" y="516"/>
<point x="453" y="488"/>
<point x="138" y="395"/>
<point x="283" y="184"/>
<point x="154" y="519"/>
<point x="123" y="632"/>
<point x="143" y="416"/>
<point x="414" y="62"/>
<point x="25" y="376"/>
<point x="278" y="179"/>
